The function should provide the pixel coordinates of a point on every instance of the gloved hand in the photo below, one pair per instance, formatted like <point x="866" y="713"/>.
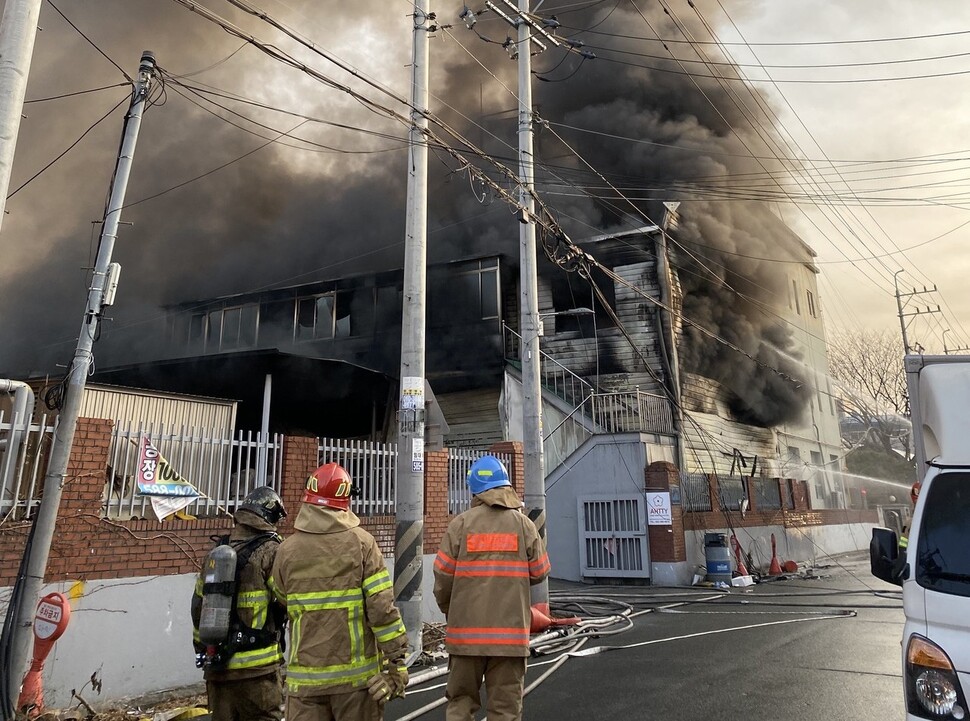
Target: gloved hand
<point x="390" y="683"/>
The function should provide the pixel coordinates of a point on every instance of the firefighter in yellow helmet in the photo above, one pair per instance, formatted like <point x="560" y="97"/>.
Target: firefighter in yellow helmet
<point x="242" y="671"/>
<point x="488" y="558"/>
<point x="348" y="643"/>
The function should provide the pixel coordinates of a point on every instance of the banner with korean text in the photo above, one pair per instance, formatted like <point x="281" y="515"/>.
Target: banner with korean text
<point x="156" y="478"/>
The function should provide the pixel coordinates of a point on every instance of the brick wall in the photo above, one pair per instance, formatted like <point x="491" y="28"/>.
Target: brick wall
<point x="435" y="499"/>
<point x="87" y="546"/>
<point x="801" y="515"/>
<point x="517" y="471"/>
<point x="667" y="543"/>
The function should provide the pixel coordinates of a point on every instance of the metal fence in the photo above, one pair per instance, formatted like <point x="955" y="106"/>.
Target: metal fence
<point x="372" y="465"/>
<point x="553" y="375"/>
<point x="767" y="496"/>
<point x="632" y="411"/>
<point x="732" y="491"/>
<point x="695" y="492"/>
<point x="22" y="465"/>
<point x="460" y="460"/>
<point x="224" y="469"/>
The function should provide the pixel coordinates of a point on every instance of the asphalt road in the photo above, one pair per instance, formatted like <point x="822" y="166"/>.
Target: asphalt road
<point x="773" y="652"/>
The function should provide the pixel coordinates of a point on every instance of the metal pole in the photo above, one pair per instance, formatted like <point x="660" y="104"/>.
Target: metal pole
<point x="899" y="308"/>
<point x="262" y="456"/>
<point x="43" y="531"/>
<point x="535" y="472"/>
<point x="596" y="349"/>
<point x="945" y="351"/>
<point x="409" y="532"/>
<point x="23" y="410"/>
<point x="667" y="324"/>
<point x="18" y="28"/>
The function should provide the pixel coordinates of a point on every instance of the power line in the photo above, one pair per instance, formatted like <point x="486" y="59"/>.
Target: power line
<point x="814" y="140"/>
<point x="791" y="66"/>
<point x="75" y="93"/>
<point x="217" y="168"/>
<point x="69" y="147"/>
<point x="91" y="42"/>
<point x="676" y="41"/>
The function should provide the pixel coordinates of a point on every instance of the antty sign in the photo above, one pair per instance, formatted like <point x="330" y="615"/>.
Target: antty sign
<point x="658" y="509"/>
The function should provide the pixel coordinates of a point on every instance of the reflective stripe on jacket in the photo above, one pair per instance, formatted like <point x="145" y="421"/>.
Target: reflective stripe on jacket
<point x="488" y="558"/>
<point x="339" y="598"/>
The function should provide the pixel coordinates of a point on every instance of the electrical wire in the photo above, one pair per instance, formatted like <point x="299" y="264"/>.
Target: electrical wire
<point x="75" y="93"/>
<point x="68" y="148"/>
<point x="805" y="43"/>
<point x="91" y="42"/>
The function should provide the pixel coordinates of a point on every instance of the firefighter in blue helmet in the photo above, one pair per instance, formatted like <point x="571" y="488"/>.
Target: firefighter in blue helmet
<point x="488" y="558"/>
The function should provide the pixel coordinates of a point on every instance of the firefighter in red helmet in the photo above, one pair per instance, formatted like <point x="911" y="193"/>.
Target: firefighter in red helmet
<point x="348" y="643"/>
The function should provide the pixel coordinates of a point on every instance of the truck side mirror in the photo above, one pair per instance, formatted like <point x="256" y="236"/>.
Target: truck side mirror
<point x="883" y="553"/>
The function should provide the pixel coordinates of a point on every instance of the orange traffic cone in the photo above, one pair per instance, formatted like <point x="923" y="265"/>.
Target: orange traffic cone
<point x="542" y="619"/>
<point x="738" y="556"/>
<point x="774" y="569"/>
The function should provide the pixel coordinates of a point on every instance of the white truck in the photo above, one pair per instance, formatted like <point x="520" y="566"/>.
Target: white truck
<point x="933" y="566"/>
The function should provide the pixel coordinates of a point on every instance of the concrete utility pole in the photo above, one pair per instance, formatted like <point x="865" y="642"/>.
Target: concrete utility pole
<point x="18" y="28"/>
<point x="535" y="467"/>
<point x="901" y="305"/>
<point x="409" y="532"/>
<point x="43" y="529"/>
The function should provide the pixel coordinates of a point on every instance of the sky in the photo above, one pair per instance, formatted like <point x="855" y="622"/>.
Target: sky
<point x="873" y="168"/>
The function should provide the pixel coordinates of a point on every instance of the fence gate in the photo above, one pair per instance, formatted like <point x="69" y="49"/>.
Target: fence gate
<point x="613" y="537"/>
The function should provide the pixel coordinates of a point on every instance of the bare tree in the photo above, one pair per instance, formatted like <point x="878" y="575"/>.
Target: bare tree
<point x="868" y="366"/>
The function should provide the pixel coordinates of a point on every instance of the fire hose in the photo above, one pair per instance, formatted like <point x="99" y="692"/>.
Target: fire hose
<point x="605" y="616"/>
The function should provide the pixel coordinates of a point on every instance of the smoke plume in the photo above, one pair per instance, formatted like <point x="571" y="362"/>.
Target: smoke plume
<point x="287" y="212"/>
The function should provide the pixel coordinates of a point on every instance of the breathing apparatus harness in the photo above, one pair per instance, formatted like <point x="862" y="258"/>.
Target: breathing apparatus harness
<point x="237" y="636"/>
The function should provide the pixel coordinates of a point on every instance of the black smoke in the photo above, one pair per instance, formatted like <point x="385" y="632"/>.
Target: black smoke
<point x="287" y="215"/>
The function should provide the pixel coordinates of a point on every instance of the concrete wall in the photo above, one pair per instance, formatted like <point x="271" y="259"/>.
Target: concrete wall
<point x="135" y="634"/>
<point x="603" y="466"/>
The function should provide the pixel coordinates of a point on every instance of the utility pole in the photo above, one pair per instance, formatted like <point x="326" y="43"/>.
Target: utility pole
<point x="901" y="309"/>
<point x="18" y="29"/>
<point x="409" y="531"/>
<point x="670" y="220"/>
<point x="99" y="294"/>
<point x="535" y="467"/>
<point x="535" y="471"/>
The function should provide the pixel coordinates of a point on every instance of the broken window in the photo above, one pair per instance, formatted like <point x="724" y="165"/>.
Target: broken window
<point x="315" y="317"/>
<point x="276" y="320"/>
<point x="213" y="330"/>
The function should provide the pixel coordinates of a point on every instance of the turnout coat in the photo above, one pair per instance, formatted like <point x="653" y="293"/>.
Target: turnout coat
<point x="488" y="558"/>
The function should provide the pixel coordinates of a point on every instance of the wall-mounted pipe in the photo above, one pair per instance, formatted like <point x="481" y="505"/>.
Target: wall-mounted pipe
<point x="23" y="409"/>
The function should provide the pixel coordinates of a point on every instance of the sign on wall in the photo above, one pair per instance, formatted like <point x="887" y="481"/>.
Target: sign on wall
<point x="658" y="509"/>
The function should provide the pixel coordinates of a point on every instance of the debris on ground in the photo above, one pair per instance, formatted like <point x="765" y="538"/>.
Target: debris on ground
<point x="176" y="708"/>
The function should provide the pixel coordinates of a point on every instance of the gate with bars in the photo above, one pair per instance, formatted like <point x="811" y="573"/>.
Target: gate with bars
<point x="613" y="537"/>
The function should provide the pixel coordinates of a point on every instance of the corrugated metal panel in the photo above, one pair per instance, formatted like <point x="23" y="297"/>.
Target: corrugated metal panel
<point x="135" y="405"/>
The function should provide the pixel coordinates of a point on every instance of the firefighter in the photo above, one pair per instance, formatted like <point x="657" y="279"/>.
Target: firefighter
<point x="348" y="641"/>
<point x="242" y="674"/>
<point x="488" y="558"/>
